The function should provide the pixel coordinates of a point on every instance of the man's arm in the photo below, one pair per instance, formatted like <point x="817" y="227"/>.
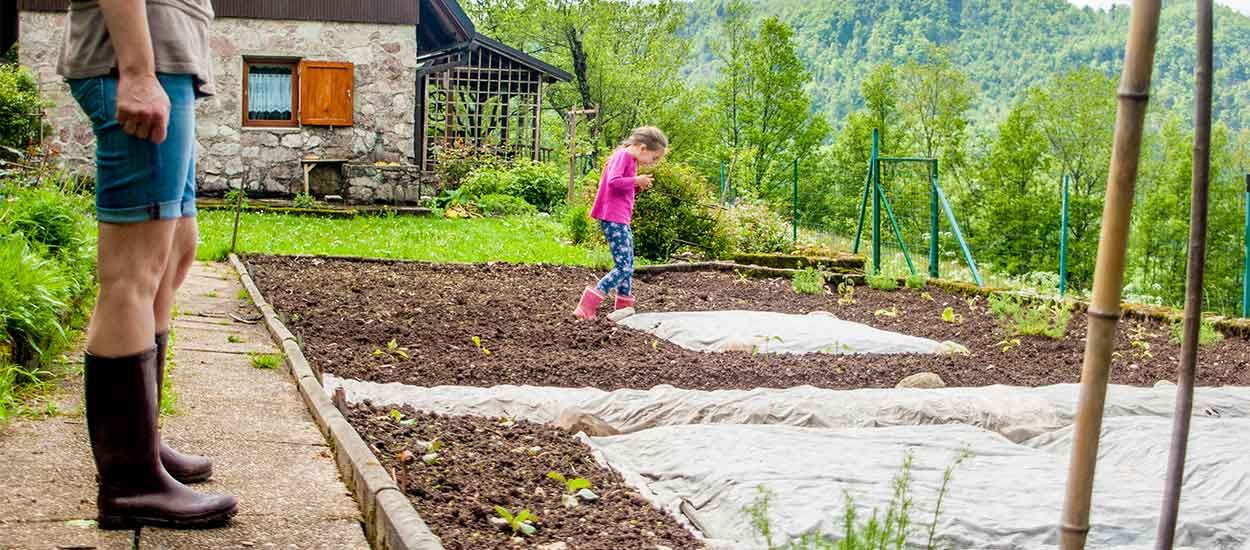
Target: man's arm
<point x="142" y="105"/>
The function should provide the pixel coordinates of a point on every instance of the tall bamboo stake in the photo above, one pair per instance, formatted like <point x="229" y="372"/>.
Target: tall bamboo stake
<point x="1195" y="271"/>
<point x="1104" y="309"/>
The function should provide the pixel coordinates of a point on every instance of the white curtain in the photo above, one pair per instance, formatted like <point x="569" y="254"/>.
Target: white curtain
<point x="269" y="93"/>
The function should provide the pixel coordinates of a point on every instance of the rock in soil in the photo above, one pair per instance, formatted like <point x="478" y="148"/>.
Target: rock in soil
<point x="922" y="380"/>
<point x="575" y="420"/>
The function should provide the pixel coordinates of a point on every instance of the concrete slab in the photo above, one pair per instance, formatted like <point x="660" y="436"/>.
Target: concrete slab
<point x="249" y="532"/>
<point x="60" y="534"/>
<point x="191" y="337"/>
<point x="48" y="472"/>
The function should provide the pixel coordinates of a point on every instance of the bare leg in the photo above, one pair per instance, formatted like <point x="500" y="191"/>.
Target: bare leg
<point x="181" y="256"/>
<point x="131" y="261"/>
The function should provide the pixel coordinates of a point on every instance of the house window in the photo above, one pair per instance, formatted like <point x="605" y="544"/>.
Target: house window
<point x="287" y="93"/>
<point x="270" y="93"/>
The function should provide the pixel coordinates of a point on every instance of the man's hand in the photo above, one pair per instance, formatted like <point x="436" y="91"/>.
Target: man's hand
<point x="142" y="107"/>
<point x="644" y="181"/>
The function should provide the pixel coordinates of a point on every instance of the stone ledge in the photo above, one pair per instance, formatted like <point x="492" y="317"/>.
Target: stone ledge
<point x="391" y="522"/>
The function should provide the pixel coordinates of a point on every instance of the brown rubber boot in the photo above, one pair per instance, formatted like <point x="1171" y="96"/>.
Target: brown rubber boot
<point x="185" y="468"/>
<point x="135" y="489"/>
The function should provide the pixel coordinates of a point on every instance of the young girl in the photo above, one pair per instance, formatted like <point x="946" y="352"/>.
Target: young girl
<point x="614" y="208"/>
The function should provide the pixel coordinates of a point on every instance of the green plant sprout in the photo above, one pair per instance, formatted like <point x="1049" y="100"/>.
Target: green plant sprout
<point x="950" y="316"/>
<point x="891" y="312"/>
<point x="916" y="281"/>
<point x="1008" y="345"/>
<point x="234" y="339"/>
<point x="265" y="361"/>
<point x="477" y="343"/>
<point x="575" y="489"/>
<point x="809" y="281"/>
<point x="1207" y="333"/>
<point x="846" y="293"/>
<point x="392" y="348"/>
<point x="520" y="523"/>
<point x="881" y="281"/>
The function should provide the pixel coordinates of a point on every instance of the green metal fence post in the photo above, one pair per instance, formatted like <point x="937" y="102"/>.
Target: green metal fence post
<point x="863" y="208"/>
<point x="876" y="202"/>
<point x="1063" y="241"/>
<point x="794" y="220"/>
<point x="933" y="221"/>
<point x="898" y="234"/>
<point x="1245" y="271"/>
<point x="959" y="235"/>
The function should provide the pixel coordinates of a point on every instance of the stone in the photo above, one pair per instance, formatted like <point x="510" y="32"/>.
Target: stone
<point x="293" y="141"/>
<point x="313" y="142"/>
<point x="234" y="166"/>
<point x="391" y="47"/>
<point x="225" y="149"/>
<point x="618" y="315"/>
<point x="922" y="380"/>
<point x="574" y="420"/>
<point x="250" y="152"/>
<point x="270" y="140"/>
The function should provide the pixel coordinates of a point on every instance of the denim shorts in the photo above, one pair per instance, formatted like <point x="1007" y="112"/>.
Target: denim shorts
<point x="137" y="180"/>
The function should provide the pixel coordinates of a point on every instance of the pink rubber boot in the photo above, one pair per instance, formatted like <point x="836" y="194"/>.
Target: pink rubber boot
<point x="623" y="302"/>
<point x="589" y="306"/>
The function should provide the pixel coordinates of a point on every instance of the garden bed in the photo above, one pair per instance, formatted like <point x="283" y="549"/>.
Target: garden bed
<point x="483" y="325"/>
<point x="458" y="501"/>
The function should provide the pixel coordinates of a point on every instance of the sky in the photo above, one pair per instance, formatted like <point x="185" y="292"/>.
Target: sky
<point x="1242" y="6"/>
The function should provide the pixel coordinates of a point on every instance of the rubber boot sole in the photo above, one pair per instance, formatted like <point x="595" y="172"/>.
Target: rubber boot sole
<point x="215" y="519"/>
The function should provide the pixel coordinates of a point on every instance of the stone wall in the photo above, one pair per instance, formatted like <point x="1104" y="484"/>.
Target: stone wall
<point x="388" y="184"/>
<point x="264" y="160"/>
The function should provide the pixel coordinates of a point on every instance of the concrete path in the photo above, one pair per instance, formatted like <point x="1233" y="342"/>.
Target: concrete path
<point x="251" y="422"/>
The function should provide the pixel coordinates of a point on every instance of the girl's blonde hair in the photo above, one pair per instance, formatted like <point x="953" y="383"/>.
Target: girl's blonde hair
<point x="648" y="136"/>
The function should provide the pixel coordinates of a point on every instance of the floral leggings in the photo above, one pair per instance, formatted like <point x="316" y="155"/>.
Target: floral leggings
<point x="621" y="243"/>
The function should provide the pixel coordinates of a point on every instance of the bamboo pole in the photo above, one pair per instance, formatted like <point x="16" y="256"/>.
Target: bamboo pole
<point x="1104" y="308"/>
<point x="1195" y="270"/>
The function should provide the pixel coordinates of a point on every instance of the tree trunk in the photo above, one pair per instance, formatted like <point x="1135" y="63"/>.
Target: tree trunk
<point x="578" y="52"/>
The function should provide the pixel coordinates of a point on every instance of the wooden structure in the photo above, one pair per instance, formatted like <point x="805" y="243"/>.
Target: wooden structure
<point x="474" y="92"/>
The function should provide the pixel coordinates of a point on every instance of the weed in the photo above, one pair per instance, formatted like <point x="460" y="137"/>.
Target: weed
<point x="393" y="349"/>
<point x="243" y="295"/>
<point x="809" y="281"/>
<point x="234" y="339"/>
<point x="881" y="281"/>
<point x="888" y="531"/>
<point x="266" y="361"/>
<point x="891" y="312"/>
<point x="927" y="296"/>
<point x="521" y="523"/>
<point x="1009" y="344"/>
<point x="1038" y="319"/>
<point x="916" y="281"/>
<point x="169" y="395"/>
<point x="211" y="294"/>
<point x="1207" y="333"/>
<point x="846" y="293"/>
<point x="305" y="201"/>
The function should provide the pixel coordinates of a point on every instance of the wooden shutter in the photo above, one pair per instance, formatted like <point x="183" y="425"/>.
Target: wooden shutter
<point x="326" y="93"/>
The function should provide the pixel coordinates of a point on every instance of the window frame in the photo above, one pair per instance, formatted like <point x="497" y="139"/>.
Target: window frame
<point x="294" y="63"/>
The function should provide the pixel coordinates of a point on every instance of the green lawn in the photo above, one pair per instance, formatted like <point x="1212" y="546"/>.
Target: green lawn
<point x="514" y="240"/>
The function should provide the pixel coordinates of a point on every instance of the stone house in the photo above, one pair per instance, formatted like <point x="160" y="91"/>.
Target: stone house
<point x="318" y="95"/>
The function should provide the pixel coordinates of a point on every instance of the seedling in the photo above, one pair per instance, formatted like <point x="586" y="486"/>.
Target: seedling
<point x="950" y="316"/>
<point x="234" y="339"/>
<point x="507" y="422"/>
<point x="243" y="295"/>
<point x="916" y="281"/>
<point x="265" y="361"/>
<point x="1038" y="319"/>
<point x="392" y="348"/>
<point x="477" y="343"/>
<point x="576" y="488"/>
<point x="765" y="340"/>
<point x="520" y="523"/>
<point x="211" y="294"/>
<point x="927" y="296"/>
<point x="891" y="312"/>
<point x="1009" y="344"/>
<point x="432" y="456"/>
<point x="1207" y="333"/>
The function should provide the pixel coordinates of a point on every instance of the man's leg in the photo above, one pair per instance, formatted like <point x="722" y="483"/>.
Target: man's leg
<point x="181" y="257"/>
<point x="132" y="260"/>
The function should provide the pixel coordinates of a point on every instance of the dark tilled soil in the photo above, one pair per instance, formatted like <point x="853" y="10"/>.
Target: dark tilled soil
<point x="484" y="463"/>
<point x="347" y="312"/>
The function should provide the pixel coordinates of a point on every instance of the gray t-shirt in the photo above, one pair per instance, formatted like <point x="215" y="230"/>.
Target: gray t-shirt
<point x="179" y="40"/>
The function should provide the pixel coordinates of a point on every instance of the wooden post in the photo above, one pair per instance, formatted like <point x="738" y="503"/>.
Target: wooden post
<point x="573" y="147"/>
<point x="1195" y="271"/>
<point x="1104" y="308"/>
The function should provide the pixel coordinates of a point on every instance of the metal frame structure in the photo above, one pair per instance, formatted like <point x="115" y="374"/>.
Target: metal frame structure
<point x="937" y="201"/>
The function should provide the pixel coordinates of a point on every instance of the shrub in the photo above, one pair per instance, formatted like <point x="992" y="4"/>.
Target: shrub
<point x="457" y="160"/>
<point x="489" y="180"/>
<point x="505" y="205"/>
<point x="21" y="108"/>
<point x="33" y="294"/>
<point x="674" y="214"/>
<point x="305" y="201"/>
<point x="581" y="229"/>
<point x="541" y="185"/>
<point x="757" y="229"/>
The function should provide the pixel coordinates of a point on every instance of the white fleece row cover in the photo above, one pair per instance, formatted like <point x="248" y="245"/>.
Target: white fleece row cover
<point x="713" y="450"/>
<point x="768" y="332"/>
